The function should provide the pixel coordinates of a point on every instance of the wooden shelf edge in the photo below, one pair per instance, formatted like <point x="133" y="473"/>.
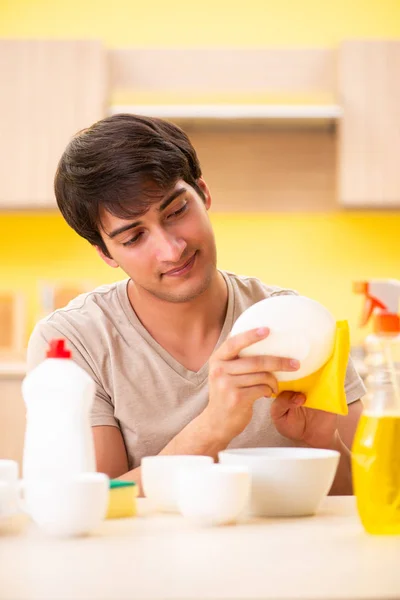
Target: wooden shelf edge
<point x="231" y="111"/>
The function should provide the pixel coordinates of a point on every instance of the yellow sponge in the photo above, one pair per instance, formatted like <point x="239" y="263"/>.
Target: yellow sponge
<point x="325" y="388"/>
<point x="122" y="499"/>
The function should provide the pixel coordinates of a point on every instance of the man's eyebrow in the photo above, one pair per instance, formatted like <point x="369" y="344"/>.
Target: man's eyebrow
<point x="162" y="207"/>
<point x="171" y="198"/>
<point x="122" y="229"/>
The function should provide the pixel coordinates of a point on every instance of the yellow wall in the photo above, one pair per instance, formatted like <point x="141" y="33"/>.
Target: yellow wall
<point x="320" y="255"/>
<point x="200" y="23"/>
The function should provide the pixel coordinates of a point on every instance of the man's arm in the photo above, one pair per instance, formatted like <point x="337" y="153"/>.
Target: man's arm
<point x="198" y="438"/>
<point x="111" y="456"/>
<point x="195" y="438"/>
<point x="208" y="433"/>
<point x="234" y="385"/>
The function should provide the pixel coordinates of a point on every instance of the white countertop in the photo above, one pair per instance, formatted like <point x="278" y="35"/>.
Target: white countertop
<point x="155" y="556"/>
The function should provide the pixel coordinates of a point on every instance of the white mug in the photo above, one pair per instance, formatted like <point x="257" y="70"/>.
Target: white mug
<point x="67" y="507"/>
<point x="8" y="487"/>
<point x="159" y="477"/>
<point x="214" y="494"/>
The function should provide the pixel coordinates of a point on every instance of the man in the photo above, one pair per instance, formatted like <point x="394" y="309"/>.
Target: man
<point x="168" y="378"/>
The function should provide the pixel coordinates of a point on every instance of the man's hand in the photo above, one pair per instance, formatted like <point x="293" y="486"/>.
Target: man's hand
<point x="236" y="383"/>
<point x="316" y="428"/>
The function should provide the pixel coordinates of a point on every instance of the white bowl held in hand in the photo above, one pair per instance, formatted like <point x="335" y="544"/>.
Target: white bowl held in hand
<point x="73" y="506"/>
<point x="159" y="477"/>
<point x="300" y="328"/>
<point x="285" y="482"/>
<point x="213" y="494"/>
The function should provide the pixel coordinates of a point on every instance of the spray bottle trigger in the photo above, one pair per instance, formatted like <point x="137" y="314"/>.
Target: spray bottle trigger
<point x="369" y="307"/>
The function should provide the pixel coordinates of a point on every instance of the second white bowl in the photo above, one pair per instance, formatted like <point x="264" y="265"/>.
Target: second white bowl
<point x="286" y="482"/>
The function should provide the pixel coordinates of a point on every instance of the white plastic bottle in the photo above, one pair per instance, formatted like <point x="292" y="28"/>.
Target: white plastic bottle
<point x="58" y="439"/>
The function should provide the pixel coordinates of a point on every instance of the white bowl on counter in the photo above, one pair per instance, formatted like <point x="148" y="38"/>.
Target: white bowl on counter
<point x="213" y="494"/>
<point x="160" y="477"/>
<point x="285" y="482"/>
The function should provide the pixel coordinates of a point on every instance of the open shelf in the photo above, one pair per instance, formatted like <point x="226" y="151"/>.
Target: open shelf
<point x="233" y="111"/>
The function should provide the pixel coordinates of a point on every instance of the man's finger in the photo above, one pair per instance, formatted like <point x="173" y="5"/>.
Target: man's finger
<point x="252" y="379"/>
<point x="251" y="394"/>
<point x="259" y="364"/>
<point x="284" y="402"/>
<point x="232" y="346"/>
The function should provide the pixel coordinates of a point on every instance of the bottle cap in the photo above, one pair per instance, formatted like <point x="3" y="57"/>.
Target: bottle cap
<point x="385" y="322"/>
<point x="57" y="349"/>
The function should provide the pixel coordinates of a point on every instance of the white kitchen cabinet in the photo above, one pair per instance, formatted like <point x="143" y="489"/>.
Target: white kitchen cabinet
<point x="48" y="91"/>
<point x="12" y="412"/>
<point x="51" y="89"/>
<point x="369" y="130"/>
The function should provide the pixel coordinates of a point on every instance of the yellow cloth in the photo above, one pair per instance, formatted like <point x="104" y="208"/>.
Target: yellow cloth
<point x="325" y="388"/>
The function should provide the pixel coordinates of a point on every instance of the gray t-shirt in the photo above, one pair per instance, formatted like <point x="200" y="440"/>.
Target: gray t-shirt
<point x="140" y="387"/>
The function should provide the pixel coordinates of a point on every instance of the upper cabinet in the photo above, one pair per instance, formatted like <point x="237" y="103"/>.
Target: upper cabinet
<point x="355" y="101"/>
<point x="369" y="130"/>
<point x="48" y="91"/>
<point x="276" y="129"/>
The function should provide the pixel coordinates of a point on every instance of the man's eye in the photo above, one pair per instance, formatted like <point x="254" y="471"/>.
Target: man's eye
<point x="179" y="211"/>
<point x="133" y="240"/>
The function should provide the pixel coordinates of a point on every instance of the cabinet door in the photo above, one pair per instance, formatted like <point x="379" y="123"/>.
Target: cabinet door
<point x="12" y="325"/>
<point x="48" y="91"/>
<point x="369" y="133"/>
<point x="12" y="418"/>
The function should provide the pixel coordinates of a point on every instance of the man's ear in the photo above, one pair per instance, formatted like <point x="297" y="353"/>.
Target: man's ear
<point x="109" y="261"/>
<point x="204" y="188"/>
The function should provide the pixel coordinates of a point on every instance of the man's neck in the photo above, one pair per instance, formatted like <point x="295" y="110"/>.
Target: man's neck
<point x="182" y="326"/>
<point x="206" y="310"/>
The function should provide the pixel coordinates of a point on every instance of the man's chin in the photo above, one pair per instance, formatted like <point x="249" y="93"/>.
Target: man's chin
<point x="187" y="291"/>
<point x="185" y="295"/>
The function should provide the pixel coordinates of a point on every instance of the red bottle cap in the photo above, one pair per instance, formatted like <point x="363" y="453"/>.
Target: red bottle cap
<point x="386" y="322"/>
<point x="57" y="349"/>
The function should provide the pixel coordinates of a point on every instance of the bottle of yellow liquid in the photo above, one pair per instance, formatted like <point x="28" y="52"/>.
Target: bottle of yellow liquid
<point x="376" y="446"/>
<point x="376" y="469"/>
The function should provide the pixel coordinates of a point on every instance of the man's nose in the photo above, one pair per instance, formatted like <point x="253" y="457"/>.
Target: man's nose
<point x="169" y="248"/>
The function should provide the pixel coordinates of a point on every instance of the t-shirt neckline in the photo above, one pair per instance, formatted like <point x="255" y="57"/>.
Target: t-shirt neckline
<point x="196" y="377"/>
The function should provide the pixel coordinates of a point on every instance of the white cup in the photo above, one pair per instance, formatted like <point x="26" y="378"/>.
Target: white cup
<point x="8" y="470"/>
<point x="67" y="507"/>
<point x="159" y="477"/>
<point x="8" y="487"/>
<point x="213" y="494"/>
<point x="7" y="506"/>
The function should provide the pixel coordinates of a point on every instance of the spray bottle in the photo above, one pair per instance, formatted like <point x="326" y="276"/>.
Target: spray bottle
<point x="376" y="446"/>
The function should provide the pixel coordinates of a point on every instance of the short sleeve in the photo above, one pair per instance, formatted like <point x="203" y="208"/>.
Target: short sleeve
<point x="103" y="409"/>
<point x="353" y="385"/>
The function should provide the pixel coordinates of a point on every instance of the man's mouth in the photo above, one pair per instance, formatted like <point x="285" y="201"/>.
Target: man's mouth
<point x="182" y="269"/>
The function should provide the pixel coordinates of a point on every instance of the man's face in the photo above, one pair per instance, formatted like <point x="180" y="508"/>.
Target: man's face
<point x="170" y="250"/>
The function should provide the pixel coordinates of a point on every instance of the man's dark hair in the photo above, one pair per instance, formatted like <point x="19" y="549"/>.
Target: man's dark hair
<point x="117" y="164"/>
